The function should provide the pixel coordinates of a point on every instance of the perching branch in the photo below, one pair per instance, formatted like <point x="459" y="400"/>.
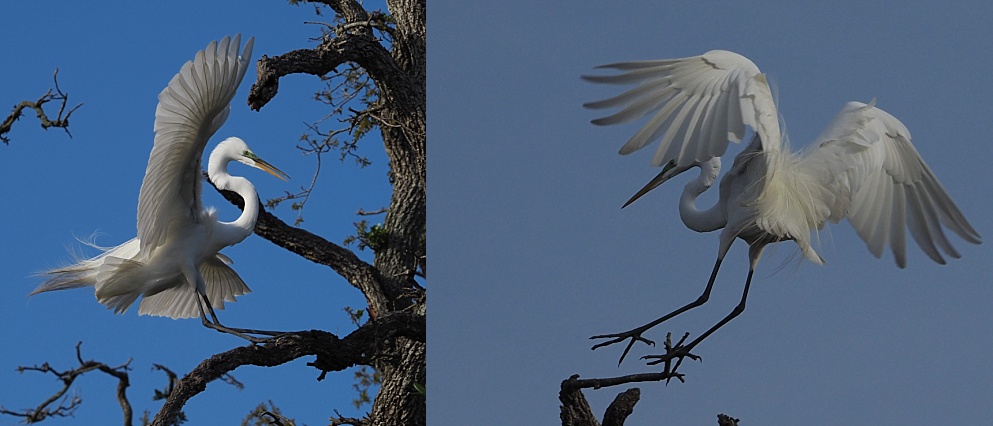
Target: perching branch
<point x="361" y="347"/>
<point x="67" y="405"/>
<point x="319" y="250"/>
<point x="575" y="410"/>
<point x="59" y="121"/>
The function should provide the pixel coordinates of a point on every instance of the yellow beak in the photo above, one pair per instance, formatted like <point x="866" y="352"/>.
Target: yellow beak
<point x="269" y="168"/>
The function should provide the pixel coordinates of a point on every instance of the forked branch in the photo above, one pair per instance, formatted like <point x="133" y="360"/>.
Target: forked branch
<point x="61" y="120"/>
<point x="62" y="405"/>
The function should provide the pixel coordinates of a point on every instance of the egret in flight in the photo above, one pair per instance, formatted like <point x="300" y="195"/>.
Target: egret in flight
<point x="175" y="263"/>
<point x="862" y="167"/>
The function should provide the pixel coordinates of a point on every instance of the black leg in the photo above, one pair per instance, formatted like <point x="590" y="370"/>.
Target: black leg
<point x="635" y="334"/>
<point x="681" y="351"/>
<point x="216" y="325"/>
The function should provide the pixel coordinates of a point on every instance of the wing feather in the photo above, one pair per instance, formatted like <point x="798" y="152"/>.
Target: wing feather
<point x="696" y="105"/>
<point x="882" y="185"/>
<point x="191" y="108"/>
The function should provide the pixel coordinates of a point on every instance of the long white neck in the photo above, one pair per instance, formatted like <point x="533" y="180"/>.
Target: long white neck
<point x="241" y="228"/>
<point x="696" y="219"/>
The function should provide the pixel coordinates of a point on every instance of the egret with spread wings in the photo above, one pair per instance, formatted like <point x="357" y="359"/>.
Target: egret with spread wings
<point x="175" y="263"/>
<point x="862" y="167"/>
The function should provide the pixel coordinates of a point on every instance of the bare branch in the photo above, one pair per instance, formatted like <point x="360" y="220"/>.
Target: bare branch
<point x="67" y="405"/>
<point x="315" y="248"/>
<point x="361" y="347"/>
<point x="361" y="48"/>
<point x="372" y="213"/>
<point x="351" y="421"/>
<point x="59" y="121"/>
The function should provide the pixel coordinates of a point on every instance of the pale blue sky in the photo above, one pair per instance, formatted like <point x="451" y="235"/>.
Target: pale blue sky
<point x="531" y="253"/>
<point x="116" y="58"/>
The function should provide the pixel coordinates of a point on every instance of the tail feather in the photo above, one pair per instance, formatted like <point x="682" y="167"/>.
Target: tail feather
<point x="119" y="282"/>
<point x="73" y="276"/>
<point x="84" y="272"/>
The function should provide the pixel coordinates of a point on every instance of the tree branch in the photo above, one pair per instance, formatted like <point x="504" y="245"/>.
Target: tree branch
<point x="315" y="248"/>
<point x="67" y="405"/>
<point x="59" y="121"/>
<point x="361" y="347"/>
<point x="360" y="47"/>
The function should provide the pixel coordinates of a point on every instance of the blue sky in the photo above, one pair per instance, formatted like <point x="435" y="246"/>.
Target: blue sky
<point x="531" y="253"/>
<point x="116" y="58"/>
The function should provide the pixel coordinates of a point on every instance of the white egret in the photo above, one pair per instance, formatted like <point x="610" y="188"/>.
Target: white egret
<point x="175" y="261"/>
<point x="862" y="167"/>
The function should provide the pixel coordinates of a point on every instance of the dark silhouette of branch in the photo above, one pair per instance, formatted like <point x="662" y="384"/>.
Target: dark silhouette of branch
<point x="351" y="421"/>
<point x="726" y="420"/>
<point x="575" y="410"/>
<point x="59" y="121"/>
<point x="67" y="405"/>
<point x="361" y="347"/>
<point x="622" y="407"/>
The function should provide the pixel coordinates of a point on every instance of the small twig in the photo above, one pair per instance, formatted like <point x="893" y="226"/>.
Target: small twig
<point x="352" y="421"/>
<point x="229" y="379"/>
<point x="677" y="351"/>
<point x="173" y="379"/>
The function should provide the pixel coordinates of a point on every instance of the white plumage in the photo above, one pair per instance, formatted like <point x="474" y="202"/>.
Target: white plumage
<point x="176" y="255"/>
<point x="862" y="167"/>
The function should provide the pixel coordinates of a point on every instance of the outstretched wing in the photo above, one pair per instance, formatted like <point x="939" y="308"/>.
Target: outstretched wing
<point x="881" y="184"/>
<point x="191" y="108"/>
<point x="696" y="104"/>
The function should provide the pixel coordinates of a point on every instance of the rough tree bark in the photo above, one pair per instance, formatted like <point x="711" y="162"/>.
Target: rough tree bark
<point x="399" y="74"/>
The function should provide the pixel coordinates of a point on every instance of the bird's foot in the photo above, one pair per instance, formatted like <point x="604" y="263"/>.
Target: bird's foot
<point x="634" y="336"/>
<point x="245" y="333"/>
<point x="677" y="352"/>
